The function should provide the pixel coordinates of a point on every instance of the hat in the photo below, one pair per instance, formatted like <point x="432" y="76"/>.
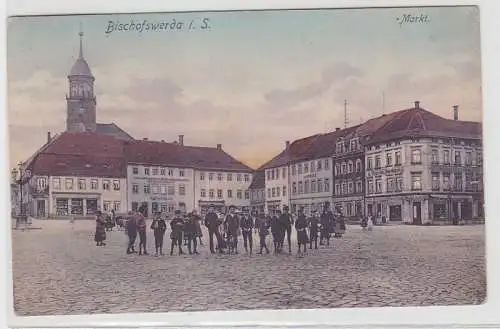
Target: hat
<point x="232" y="207"/>
<point x="177" y="212"/>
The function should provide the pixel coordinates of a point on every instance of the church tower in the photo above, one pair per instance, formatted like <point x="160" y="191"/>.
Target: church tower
<point x="81" y="102"/>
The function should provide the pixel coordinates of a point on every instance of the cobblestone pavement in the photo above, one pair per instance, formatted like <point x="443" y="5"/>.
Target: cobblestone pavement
<point x="58" y="270"/>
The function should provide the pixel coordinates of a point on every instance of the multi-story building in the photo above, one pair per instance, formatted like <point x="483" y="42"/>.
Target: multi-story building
<point x="167" y="176"/>
<point x="76" y="174"/>
<point x="349" y="174"/>
<point x="258" y="191"/>
<point x="277" y="180"/>
<point x="422" y="168"/>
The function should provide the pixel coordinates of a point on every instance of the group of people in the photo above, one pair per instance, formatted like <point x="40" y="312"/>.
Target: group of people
<point x="227" y="229"/>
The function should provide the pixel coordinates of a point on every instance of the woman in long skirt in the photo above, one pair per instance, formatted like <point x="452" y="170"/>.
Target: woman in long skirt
<point x="300" y="226"/>
<point x="100" y="229"/>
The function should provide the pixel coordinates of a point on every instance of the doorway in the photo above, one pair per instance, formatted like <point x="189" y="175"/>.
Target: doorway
<point x="40" y="208"/>
<point x="417" y="213"/>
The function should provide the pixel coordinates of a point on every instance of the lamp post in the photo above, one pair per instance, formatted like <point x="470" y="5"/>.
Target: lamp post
<point x="19" y="175"/>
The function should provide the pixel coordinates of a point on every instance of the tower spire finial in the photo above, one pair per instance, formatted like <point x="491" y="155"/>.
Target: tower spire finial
<point x="81" y="41"/>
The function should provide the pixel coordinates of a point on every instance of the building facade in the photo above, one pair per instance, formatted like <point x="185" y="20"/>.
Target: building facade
<point x="349" y="175"/>
<point x="423" y="169"/>
<point x="258" y="192"/>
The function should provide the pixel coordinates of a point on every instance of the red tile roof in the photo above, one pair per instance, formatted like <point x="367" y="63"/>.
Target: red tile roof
<point x="258" y="180"/>
<point x="173" y="154"/>
<point x="86" y="143"/>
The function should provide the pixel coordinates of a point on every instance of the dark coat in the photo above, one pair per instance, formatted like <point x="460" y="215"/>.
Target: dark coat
<point x="263" y="226"/>
<point x="100" y="229"/>
<point x="314" y="224"/>
<point x="300" y="226"/>
<point x="232" y="224"/>
<point x="247" y="223"/>
<point x="177" y="226"/>
<point x="286" y="221"/>
<point x="190" y="228"/>
<point x="212" y="221"/>
<point x="159" y="226"/>
<point x="327" y="222"/>
<point x="131" y="226"/>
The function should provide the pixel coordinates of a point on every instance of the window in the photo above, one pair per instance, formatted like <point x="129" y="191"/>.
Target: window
<point x="41" y="183"/>
<point x="343" y="169"/>
<point x="350" y="167"/>
<point x="337" y="169"/>
<point x="416" y="156"/>
<point x="306" y="186"/>
<point x="163" y="189"/>
<point x="399" y="184"/>
<point x="181" y="172"/>
<point x="468" y="158"/>
<point x="116" y="206"/>
<point x="327" y="164"/>
<point x="210" y="176"/>
<point x="353" y="145"/>
<point x="416" y="181"/>
<point x="146" y="171"/>
<point x="268" y="175"/>
<point x="230" y="193"/>
<point x="203" y="193"/>
<point x="350" y="187"/>
<point x="313" y="166"/>
<point x="284" y="190"/>
<point x="170" y="172"/>
<point x="390" y="184"/>
<point x="369" y="163"/>
<point x="344" y="188"/>
<point x="299" y="170"/>
<point x="359" y="187"/>
<point x="238" y="177"/>
<point x="458" y="182"/>
<point x="182" y="189"/>
<point x="69" y="183"/>
<point x="219" y="177"/>
<point x="358" y="165"/>
<point x="219" y="193"/>
<point x="283" y="174"/>
<point x="349" y="209"/>
<point x="446" y="156"/>
<point x="327" y="185"/>
<point x="81" y="184"/>
<point x="378" y="162"/>
<point x="268" y="192"/>
<point x="116" y="185"/>
<point x="107" y="206"/>
<point x="247" y="177"/>
<point x="56" y="183"/>
<point x="105" y="184"/>
<point x="397" y="158"/>
<point x="313" y="186"/>
<point x="435" y="181"/>
<point x="319" y="165"/>
<point x="378" y="185"/>
<point x="247" y="194"/>
<point x="320" y="185"/>
<point x="62" y="207"/>
<point x="135" y="170"/>
<point x="294" y="170"/>
<point x="337" y="189"/>
<point x="388" y="159"/>
<point x="202" y="176"/>
<point x="230" y="177"/>
<point x="435" y="156"/>
<point x="155" y="171"/>
<point x="211" y="194"/>
<point x="273" y="192"/>
<point x="468" y="182"/>
<point x="479" y="158"/>
<point x="162" y="172"/>
<point x="446" y="181"/>
<point x="294" y="188"/>
<point x="370" y="186"/>
<point x="146" y="189"/>
<point x="301" y="188"/>
<point x="155" y="189"/>
<point x="239" y="194"/>
<point x="93" y="184"/>
<point x="458" y="158"/>
<point x="306" y="168"/>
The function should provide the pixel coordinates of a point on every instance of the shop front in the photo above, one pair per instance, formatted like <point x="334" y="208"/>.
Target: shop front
<point x="68" y="205"/>
<point x="218" y="205"/>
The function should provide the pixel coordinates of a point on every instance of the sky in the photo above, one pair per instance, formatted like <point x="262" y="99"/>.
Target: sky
<point x="247" y="80"/>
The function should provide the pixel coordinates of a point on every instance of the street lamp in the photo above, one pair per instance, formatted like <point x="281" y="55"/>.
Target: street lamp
<point x="18" y="177"/>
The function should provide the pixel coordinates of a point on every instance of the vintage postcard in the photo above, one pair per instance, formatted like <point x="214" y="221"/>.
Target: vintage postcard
<point x="246" y="160"/>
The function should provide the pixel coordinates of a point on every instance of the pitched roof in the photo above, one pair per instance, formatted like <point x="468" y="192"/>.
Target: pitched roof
<point x="174" y="154"/>
<point x="113" y="130"/>
<point x="86" y="143"/>
<point x="419" y="122"/>
<point x="258" y="180"/>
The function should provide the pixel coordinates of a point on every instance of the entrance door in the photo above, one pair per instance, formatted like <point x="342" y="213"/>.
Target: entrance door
<point x="370" y="210"/>
<point x="40" y="208"/>
<point x="417" y="213"/>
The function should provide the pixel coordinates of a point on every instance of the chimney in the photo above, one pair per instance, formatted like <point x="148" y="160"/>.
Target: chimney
<point x="287" y="145"/>
<point x="219" y="146"/>
<point x="337" y="129"/>
<point x="417" y="104"/>
<point x="181" y="139"/>
<point x="163" y="141"/>
<point x="48" y="137"/>
<point x="455" y="112"/>
<point x="144" y="139"/>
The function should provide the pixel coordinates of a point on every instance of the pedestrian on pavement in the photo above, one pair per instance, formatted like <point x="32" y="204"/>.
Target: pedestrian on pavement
<point x="199" y="232"/>
<point x="313" y="229"/>
<point x="339" y="223"/>
<point x="277" y="231"/>
<point x="131" y="229"/>
<point x="287" y="221"/>
<point x="246" y="228"/>
<point x="232" y="225"/>
<point x="100" y="229"/>
<point x="369" y="223"/>
<point x="326" y="221"/>
<point x="300" y="226"/>
<point x="364" y="223"/>
<point x="159" y="228"/>
<point x="190" y="232"/>
<point x="212" y="223"/>
<point x="177" y="225"/>
<point x="141" y="229"/>
<point x="263" y="227"/>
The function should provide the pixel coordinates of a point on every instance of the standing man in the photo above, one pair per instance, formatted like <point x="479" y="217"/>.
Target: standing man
<point x="263" y="227"/>
<point x="190" y="231"/>
<point x="212" y="223"/>
<point x="326" y="223"/>
<point x="277" y="231"/>
<point x="232" y="222"/>
<point x="131" y="228"/>
<point x="246" y="229"/>
<point x="287" y="222"/>
<point x="141" y="228"/>
<point x="177" y="225"/>
<point x="313" y="230"/>
<point x="159" y="228"/>
<point x="300" y="226"/>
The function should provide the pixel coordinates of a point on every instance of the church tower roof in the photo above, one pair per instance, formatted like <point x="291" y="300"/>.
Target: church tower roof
<point x="81" y="67"/>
